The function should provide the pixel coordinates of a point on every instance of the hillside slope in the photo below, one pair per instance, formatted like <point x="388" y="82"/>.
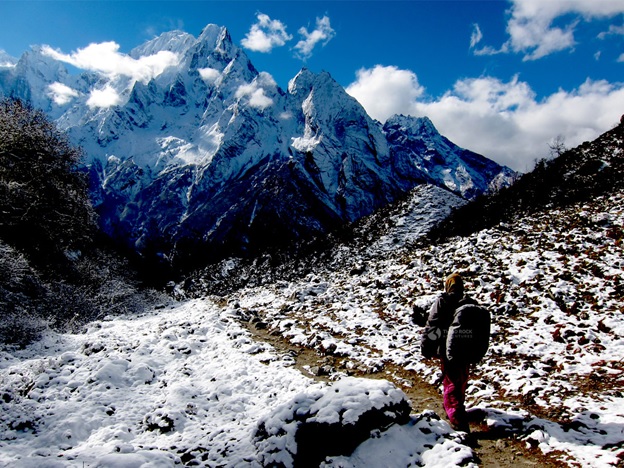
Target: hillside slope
<point x="582" y="173"/>
<point x="553" y="283"/>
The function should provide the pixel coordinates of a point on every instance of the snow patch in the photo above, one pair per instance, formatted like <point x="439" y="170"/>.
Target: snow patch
<point x="306" y="143"/>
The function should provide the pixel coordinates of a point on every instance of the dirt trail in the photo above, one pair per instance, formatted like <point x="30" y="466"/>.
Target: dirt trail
<point x="493" y="449"/>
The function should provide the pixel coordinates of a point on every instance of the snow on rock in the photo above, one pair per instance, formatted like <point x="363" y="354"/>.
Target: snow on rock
<point x="407" y="221"/>
<point x="424" y="441"/>
<point x="332" y="421"/>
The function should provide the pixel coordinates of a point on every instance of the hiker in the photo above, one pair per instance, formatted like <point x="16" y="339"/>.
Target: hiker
<point x="455" y="371"/>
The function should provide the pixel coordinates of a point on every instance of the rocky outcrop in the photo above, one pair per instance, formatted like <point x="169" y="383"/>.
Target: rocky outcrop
<point x="329" y="422"/>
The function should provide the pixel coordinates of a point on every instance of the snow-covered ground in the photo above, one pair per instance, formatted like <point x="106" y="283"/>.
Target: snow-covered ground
<point x="188" y="384"/>
<point x="182" y="385"/>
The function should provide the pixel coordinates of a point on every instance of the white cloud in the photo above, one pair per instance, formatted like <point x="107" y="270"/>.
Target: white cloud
<point x="255" y="91"/>
<point x="61" y="94"/>
<point x="105" y="97"/>
<point x="209" y="75"/>
<point x="322" y="34"/>
<point x="265" y="79"/>
<point x="501" y="120"/>
<point x="105" y="58"/>
<point x="613" y="31"/>
<point x="259" y="100"/>
<point x="537" y="38"/>
<point x="476" y="35"/>
<point x="532" y="29"/>
<point x="385" y="91"/>
<point x="266" y="34"/>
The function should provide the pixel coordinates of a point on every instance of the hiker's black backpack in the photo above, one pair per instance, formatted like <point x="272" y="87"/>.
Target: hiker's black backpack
<point x="468" y="336"/>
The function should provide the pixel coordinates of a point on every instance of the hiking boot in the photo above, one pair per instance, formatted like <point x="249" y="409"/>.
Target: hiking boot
<point x="463" y="427"/>
<point x="470" y="440"/>
<point x="465" y="437"/>
<point x="476" y="414"/>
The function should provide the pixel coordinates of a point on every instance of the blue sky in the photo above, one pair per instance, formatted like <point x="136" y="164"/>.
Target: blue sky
<point x="501" y="77"/>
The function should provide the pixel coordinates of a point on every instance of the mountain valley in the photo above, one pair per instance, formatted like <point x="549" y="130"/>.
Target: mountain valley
<point x="209" y="166"/>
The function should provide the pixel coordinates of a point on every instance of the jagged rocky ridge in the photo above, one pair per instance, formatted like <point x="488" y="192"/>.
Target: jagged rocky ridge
<point x="209" y="157"/>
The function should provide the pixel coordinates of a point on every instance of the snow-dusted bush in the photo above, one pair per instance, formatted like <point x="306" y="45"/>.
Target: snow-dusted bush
<point x="44" y="202"/>
<point x="20" y="286"/>
<point x="30" y="301"/>
<point x="46" y="225"/>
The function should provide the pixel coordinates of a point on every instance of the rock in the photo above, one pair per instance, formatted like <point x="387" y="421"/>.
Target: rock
<point x="329" y="421"/>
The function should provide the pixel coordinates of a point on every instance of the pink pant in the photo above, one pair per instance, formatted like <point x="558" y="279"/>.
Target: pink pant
<point x="455" y="381"/>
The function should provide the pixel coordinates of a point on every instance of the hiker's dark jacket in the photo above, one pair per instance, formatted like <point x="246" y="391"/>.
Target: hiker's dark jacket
<point x="433" y="340"/>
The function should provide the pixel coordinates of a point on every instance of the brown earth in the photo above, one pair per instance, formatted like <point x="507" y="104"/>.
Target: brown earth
<point x="494" y="449"/>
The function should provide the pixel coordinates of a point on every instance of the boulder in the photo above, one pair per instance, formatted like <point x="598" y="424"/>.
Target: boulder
<point x="329" y="421"/>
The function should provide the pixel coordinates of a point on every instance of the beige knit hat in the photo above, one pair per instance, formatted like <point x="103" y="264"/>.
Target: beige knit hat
<point x="454" y="284"/>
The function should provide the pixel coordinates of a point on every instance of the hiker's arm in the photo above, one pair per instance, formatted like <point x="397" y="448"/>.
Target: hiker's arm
<point x="432" y="333"/>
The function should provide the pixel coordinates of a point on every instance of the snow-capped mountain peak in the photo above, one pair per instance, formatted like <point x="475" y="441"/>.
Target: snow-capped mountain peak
<point x="301" y="83"/>
<point x="418" y="126"/>
<point x="6" y="61"/>
<point x="173" y="41"/>
<point x="416" y="143"/>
